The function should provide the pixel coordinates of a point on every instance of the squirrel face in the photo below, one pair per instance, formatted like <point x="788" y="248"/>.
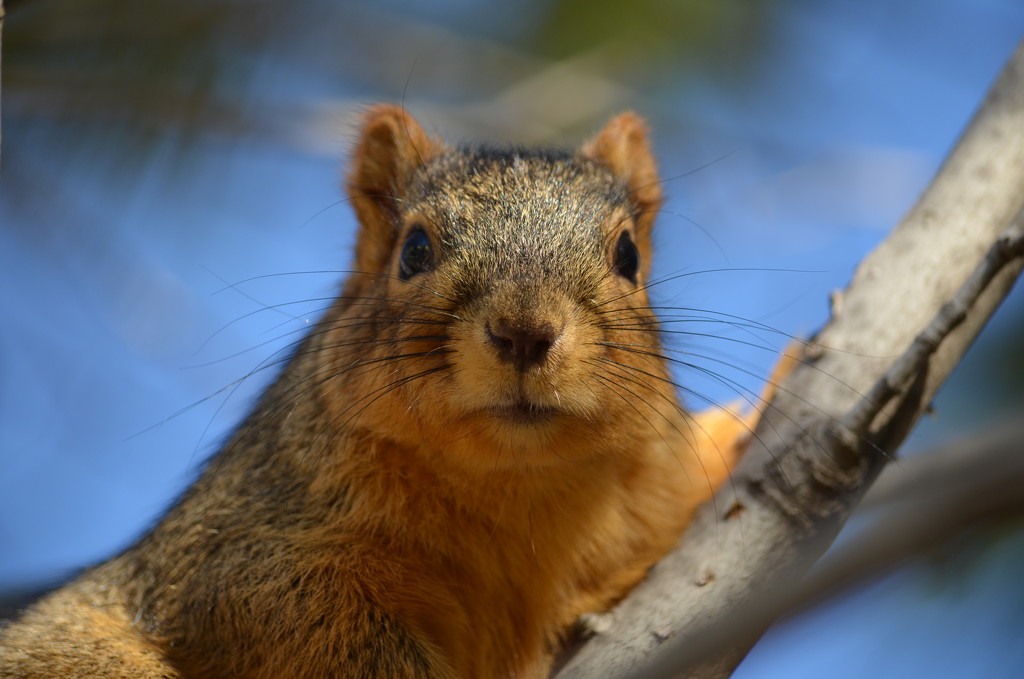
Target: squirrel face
<point x="495" y="294"/>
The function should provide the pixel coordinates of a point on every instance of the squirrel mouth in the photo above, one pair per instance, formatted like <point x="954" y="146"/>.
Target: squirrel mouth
<point x="523" y="412"/>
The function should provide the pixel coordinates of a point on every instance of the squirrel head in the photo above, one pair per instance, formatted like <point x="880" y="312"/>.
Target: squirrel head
<point x="498" y="299"/>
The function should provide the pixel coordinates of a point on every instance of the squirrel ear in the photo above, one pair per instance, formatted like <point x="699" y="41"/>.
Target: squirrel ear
<point x="623" y="148"/>
<point x="391" y="148"/>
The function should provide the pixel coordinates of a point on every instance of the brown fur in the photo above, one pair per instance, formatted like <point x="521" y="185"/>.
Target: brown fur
<point x="391" y="508"/>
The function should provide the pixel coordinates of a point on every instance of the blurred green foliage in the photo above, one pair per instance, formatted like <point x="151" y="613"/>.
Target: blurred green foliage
<point x="148" y="65"/>
<point x="726" y="35"/>
<point x="187" y="65"/>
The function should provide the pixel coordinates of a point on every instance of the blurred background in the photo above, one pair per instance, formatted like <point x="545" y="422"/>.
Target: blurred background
<point x="171" y="177"/>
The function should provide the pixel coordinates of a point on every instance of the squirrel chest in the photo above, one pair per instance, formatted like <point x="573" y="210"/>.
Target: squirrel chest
<point x="478" y="443"/>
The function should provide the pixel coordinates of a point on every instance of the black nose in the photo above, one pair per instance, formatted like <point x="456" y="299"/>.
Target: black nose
<point x="521" y="344"/>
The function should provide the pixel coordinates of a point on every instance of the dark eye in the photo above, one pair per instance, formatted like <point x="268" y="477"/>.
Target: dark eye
<point x="416" y="257"/>
<point x="627" y="258"/>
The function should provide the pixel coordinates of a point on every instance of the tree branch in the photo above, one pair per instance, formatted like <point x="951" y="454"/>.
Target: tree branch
<point x="912" y="309"/>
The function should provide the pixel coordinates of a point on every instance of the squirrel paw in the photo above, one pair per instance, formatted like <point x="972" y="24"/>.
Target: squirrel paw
<point x="592" y="624"/>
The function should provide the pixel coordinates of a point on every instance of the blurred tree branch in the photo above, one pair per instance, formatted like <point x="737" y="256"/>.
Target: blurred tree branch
<point x="913" y="308"/>
<point x="1" y="76"/>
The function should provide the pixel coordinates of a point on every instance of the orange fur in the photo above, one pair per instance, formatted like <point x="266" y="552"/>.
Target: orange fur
<point x="403" y="502"/>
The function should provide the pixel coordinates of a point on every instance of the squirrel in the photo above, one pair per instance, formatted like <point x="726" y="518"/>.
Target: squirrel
<point x="478" y="443"/>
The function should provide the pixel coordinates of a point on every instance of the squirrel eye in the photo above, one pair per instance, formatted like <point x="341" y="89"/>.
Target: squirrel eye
<point x="416" y="256"/>
<point x="627" y="257"/>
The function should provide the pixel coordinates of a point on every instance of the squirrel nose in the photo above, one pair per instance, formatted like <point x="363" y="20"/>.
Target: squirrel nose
<point x="522" y="345"/>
